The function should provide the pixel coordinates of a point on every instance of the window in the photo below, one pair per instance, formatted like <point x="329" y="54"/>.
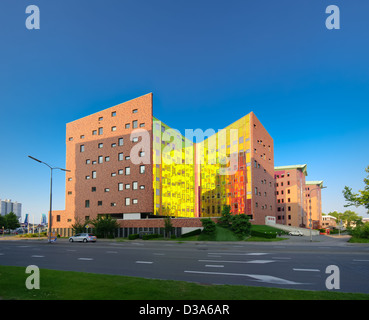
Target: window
<point x="88" y="161"/>
<point x="93" y="174"/>
<point x="127" y="171"/>
<point x="100" y="145"/>
<point x="94" y="132"/>
<point x="106" y="190"/>
<point x="142" y="187"/>
<point x="113" y="204"/>
<point x="134" y="201"/>
<point x="114" y="128"/>
<point x="99" y="203"/>
<point x="82" y="148"/>
<point x="134" y="111"/>
<point x="101" y="158"/>
<point x="135" y="139"/>
<point x="120" y="186"/>
<point x="142" y="153"/>
<point x="82" y="136"/>
<point x="134" y="124"/>
<point x="58" y="218"/>
<point x="135" y="185"/>
<point x="93" y="189"/>
<point x="114" y="113"/>
<point x="120" y="141"/>
<point x="142" y="169"/>
<point x="107" y="159"/>
<point x="120" y="156"/>
<point x="87" y="203"/>
<point x="101" y="118"/>
<point x="71" y="139"/>
<point x="100" y="131"/>
<point x="113" y="174"/>
<point x="113" y="145"/>
<point x="256" y="191"/>
<point x="142" y="125"/>
<point x="128" y="125"/>
<point x="120" y="171"/>
<point x="127" y="201"/>
<point x="127" y="186"/>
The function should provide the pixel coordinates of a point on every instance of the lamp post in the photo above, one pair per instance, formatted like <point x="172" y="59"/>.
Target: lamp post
<point x="51" y="190"/>
<point x="310" y="220"/>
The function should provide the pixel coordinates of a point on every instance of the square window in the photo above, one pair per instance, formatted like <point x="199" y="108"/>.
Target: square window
<point x="128" y="125"/>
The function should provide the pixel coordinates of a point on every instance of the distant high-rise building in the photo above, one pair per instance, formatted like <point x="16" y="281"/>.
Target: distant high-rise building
<point x="8" y="206"/>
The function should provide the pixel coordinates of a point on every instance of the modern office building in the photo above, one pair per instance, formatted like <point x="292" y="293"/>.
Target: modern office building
<point x="298" y="200"/>
<point x="126" y="163"/>
<point x="7" y="206"/>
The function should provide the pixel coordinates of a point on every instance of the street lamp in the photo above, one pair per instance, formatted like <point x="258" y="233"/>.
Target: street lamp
<point x="51" y="189"/>
<point x="310" y="220"/>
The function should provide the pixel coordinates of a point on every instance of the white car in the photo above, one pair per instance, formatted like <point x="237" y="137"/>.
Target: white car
<point x="85" y="237"/>
<point x="295" y="233"/>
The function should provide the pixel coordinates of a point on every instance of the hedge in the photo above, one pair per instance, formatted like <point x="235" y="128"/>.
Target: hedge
<point x="263" y="234"/>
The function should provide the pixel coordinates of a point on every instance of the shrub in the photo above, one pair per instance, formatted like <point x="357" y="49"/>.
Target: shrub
<point x="133" y="236"/>
<point x="209" y="226"/>
<point x="150" y="236"/>
<point x="225" y="219"/>
<point x="241" y="225"/>
<point x="267" y="235"/>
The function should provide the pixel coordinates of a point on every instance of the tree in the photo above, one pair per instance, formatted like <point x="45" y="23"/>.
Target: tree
<point x="104" y="226"/>
<point x="358" y="199"/>
<point x="209" y="226"/>
<point x="168" y="227"/>
<point x="225" y="219"/>
<point x="241" y="225"/>
<point x="11" y="221"/>
<point x="79" y="226"/>
<point x="348" y="217"/>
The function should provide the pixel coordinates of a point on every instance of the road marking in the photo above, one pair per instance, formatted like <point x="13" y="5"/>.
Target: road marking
<point x="159" y="254"/>
<point x="358" y="260"/>
<point x="36" y="256"/>
<point x="238" y="254"/>
<point x="146" y="262"/>
<point x="281" y="258"/>
<point x="214" y="266"/>
<point x="257" y="277"/>
<point x="85" y="259"/>
<point x="250" y="261"/>
<point x="1" y="254"/>
<point x="308" y="270"/>
<point x="111" y="251"/>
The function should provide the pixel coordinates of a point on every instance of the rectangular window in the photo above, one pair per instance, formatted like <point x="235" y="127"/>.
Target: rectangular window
<point x="127" y="186"/>
<point x="134" y="201"/>
<point x="127" y="171"/>
<point x="113" y="128"/>
<point x="120" y="186"/>
<point x="114" y="113"/>
<point x="87" y="203"/>
<point x="100" y="131"/>
<point x="101" y="159"/>
<point x="128" y="125"/>
<point x="100" y="145"/>
<point x="107" y="159"/>
<point x="120" y="156"/>
<point x="120" y="141"/>
<point x="93" y="189"/>
<point x="134" y="124"/>
<point x="128" y="201"/>
<point x="142" y="169"/>
<point x="93" y="174"/>
<point x="142" y="125"/>
<point x="134" y="111"/>
<point x="135" y="185"/>
<point x="82" y="148"/>
<point x="99" y="203"/>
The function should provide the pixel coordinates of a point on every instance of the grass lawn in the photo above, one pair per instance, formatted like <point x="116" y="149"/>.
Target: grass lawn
<point x="67" y="285"/>
<point x="358" y="240"/>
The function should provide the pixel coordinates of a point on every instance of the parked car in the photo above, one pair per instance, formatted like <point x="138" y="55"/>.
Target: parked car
<point x="296" y="233"/>
<point x="85" y="237"/>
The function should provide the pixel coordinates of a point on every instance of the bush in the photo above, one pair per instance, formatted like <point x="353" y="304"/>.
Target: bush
<point x="209" y="226"/>
<point x="150" y="236"/>
<point x="266" y="235"/>
<point x="241" y="225"/>
<point x="225" y="219"/>
<point x="361" y="231"/>
<point x="133" y="236"/>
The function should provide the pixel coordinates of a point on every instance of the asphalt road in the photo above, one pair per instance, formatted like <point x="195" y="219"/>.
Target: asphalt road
<point x="296" y="263"/>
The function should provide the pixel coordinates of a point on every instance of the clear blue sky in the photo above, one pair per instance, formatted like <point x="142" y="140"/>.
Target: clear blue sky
<point x="208" y="63"/>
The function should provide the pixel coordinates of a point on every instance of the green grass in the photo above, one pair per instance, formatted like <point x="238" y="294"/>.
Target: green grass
<point x="358" y="240"/>
<point x="68" y="285"/>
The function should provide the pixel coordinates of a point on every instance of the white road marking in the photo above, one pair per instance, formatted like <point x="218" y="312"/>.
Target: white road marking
<point x="147" y="262"/>
<point x="258" y="277"/>
<point x="238" y="254"/>
<point x="159" y="254"/>
<point x="85" y="259"/>
<point x="36" y="256"/>
<point x="308" y="270"/>
<point x="214" y="265"/>
<point x="111" y="251"/>
<point x="358" y="260"/>
<point x="250" y="261"/>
